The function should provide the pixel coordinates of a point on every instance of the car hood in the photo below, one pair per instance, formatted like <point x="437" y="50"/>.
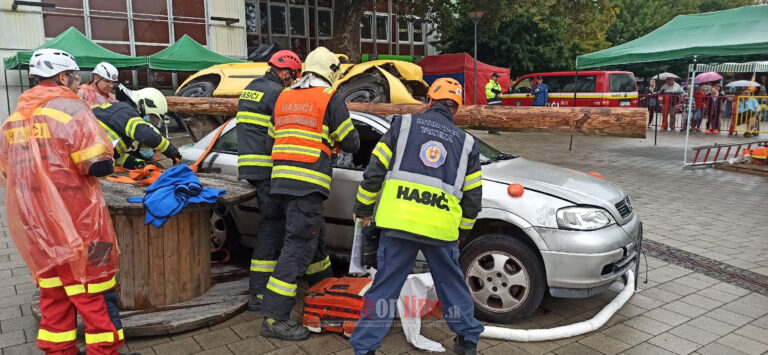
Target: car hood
<point x="571" y="185"/>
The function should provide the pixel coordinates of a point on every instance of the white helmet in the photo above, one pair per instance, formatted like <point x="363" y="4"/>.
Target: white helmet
<point x="324" y="63"/>
<point x="106" y="71"/>
<point x="48" y="62"/>
<point x="150" y="101"/>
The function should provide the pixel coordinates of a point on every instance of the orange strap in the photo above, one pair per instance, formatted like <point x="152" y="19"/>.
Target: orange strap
<point x="210" y="146"/>
<point x="144" y="176"/>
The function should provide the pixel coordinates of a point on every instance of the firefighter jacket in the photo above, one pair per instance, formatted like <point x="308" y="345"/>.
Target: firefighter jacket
<point x="122" y="122"/>
<point x="492" y="89"/>
<point x="425" y="174"/>
<point x="308" y="123"/>
<point x="92" y="96"/>
<point x="56" y="211"/>
<point x="254" y="112"/>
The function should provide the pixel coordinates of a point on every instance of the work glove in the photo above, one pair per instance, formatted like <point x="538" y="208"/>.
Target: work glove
<point x="370" y="246"/>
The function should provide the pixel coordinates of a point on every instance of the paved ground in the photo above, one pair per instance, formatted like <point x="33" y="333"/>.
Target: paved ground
<point x="715" y="215"/>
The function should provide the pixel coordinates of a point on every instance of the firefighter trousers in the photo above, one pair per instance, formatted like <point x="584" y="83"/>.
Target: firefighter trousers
<point x="95" y="302"/>
<point x="302" y="253"/>
<point x="395" y="260"/>
<point x="270" y="234"/>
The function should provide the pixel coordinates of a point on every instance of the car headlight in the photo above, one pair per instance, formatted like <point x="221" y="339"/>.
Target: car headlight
<point x="583" y="218"/>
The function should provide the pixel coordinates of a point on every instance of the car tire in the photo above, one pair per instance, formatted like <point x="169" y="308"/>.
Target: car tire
<point x="368" y="87"/>
<point x="224" y="233"/>
<point x="505" y="277"/>
<point x="198" y="88"/>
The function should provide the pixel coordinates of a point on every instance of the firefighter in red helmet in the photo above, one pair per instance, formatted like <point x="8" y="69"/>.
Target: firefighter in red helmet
<point x="254" y="163"/>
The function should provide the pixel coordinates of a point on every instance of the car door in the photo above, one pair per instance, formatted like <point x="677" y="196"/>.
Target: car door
<point x="347" y="175"/>
<point x="222" y="158"/>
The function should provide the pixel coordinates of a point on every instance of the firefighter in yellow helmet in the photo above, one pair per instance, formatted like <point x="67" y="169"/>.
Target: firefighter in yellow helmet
<point x="309" y="119"/>
<point x="425" y="182"/>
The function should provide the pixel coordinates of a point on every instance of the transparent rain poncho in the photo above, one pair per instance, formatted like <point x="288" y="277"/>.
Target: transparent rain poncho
<point x="56" y="212"/>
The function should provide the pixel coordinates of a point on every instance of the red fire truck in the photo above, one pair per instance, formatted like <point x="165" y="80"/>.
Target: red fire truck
<point x="589" y="88"/>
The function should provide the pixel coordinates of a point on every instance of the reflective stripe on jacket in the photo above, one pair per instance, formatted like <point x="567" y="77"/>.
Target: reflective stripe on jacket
<point x="254" y="114"/>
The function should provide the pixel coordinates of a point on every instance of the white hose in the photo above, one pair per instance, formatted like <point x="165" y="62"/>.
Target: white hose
<point x="566" y="331"/>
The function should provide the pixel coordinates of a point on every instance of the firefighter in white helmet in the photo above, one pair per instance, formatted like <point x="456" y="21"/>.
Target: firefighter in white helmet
<point x="309" y="119"/>
<point x="52" y="152"/>
<point x="99" y="90"/>
<point x="128" y="124"/>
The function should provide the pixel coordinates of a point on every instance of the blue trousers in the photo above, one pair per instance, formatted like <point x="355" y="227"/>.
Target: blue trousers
<point x="395" y="259"/>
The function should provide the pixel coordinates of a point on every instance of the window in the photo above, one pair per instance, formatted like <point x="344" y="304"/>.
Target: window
<point x="263" y="18"/>
<point x="418" y="31"/>
<point x="324" y="23"/>
<point x="227" y="142"/>
<point x="251" y="18"/>
<point x="524" y="86"/>
<point x="622" y="83"/>
<point x="277" y="14"/>
<point x="403" y="34"/>
<point x="366" y="27"/>
<point x="382" y="27"/>
<point x="297" y="22"/>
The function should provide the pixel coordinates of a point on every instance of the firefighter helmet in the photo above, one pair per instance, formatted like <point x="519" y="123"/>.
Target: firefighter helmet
<point x="48" y="62"/>
<point x="446" y="89"/>
<point x="286" y="59"/>
<point x="106" y="71"/>
<point x="324" y="63"/>
<point x="150" y="101"/>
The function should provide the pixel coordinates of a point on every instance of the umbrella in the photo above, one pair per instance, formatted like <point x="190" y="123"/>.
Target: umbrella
<point x="664" y="76"/>
<point x="707" y="77"/>
<point x="742" y="84"/>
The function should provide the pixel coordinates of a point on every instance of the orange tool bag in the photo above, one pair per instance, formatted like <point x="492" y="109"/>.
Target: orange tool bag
<point x="334" y="304"/>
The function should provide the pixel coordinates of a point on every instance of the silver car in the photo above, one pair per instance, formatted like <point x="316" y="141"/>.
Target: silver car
<point x="569" y="233"/>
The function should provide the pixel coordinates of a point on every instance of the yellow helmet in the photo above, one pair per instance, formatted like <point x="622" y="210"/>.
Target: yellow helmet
<point x="324" y="63"/>
<point x="150" y="101"/>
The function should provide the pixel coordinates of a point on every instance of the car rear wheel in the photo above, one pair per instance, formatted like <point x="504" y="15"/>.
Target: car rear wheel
<point x="224" y="233"/>
<point x="505" y="277"/>
<point x="198" y="88"/>
<point x="368" y="87"/>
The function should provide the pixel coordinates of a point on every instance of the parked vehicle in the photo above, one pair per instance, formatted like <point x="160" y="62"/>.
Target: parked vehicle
<point x="592" y="89"/>
<point x="570" y="234"/>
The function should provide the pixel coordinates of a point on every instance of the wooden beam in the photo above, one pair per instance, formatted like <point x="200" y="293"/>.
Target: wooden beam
<point x="619" y="122"/>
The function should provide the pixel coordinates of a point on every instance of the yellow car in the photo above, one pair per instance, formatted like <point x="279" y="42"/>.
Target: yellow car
<point x="375" y="81"/>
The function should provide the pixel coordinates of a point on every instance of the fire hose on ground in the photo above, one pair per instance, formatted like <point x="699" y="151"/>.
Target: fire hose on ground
<point x="567" y="331"/>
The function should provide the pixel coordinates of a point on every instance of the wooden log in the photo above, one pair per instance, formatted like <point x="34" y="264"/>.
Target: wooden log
<point x="602" y="121"/>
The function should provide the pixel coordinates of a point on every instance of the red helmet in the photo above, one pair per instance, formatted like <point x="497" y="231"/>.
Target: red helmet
<point x="286" y="59"/>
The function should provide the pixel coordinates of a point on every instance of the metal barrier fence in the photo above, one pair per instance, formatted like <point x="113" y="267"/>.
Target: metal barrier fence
<point x="670" y="111"/>
<point x="751" y="115"/>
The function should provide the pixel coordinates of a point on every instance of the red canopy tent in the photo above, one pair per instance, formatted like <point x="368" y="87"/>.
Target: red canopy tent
<point x="460" y="67"/>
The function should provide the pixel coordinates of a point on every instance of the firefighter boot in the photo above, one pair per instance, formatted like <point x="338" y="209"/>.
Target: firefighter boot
<point x="464" y="347"/>
<point x="283" y="329"/>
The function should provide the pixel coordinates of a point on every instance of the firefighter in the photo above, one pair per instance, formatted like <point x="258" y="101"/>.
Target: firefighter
<point x="99" y="90"/>
<point x="128" y="125"/>
<point x="425" y="175"/>
<point x="52" y="152"/>
<point x="493" y="90"/>
<point x="309" y="119"/>
<point x="254" y="163"/>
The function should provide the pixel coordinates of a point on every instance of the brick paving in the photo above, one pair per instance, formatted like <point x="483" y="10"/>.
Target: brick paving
<point x="710" y="213"/>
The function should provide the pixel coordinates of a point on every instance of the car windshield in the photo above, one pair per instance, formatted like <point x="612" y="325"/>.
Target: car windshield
<point x="488" y="154"/>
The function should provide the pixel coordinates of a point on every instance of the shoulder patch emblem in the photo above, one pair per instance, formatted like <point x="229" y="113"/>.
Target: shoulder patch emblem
<point x="432" y="154"/>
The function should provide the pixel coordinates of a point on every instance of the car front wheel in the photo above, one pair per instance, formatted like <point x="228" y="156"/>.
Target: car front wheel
<point x="505" y="277"/>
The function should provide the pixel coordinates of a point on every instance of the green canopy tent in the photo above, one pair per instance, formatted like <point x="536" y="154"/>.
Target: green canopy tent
<point x="186" y="55"/>
<point x="737" y="34"/>
<point x="86" y="52"/>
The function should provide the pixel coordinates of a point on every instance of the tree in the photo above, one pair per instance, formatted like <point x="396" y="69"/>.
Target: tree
<point x="346" y="27"/>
